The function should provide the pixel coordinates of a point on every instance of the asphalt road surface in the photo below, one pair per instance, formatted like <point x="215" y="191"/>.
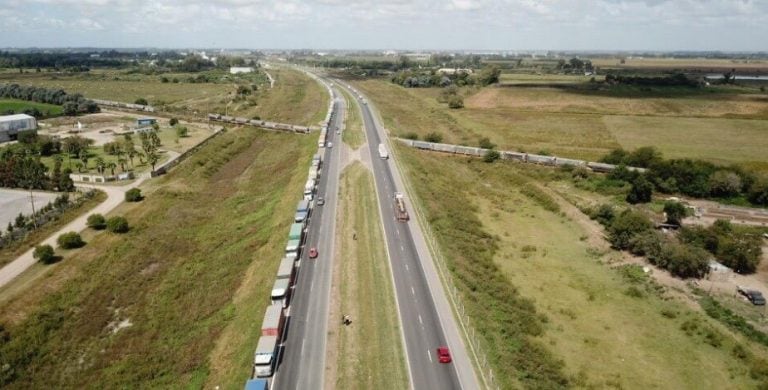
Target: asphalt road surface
<point x="422" y="304"/>
<point x="302" y="361"/>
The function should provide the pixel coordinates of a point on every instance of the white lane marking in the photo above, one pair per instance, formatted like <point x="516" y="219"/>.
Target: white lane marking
<point x="402" y="248"/>
<point x="406" y="267"/>
<point x="413" y="291"/>
<point x="420" y="321"/>
<point x="397" y="231"/>
<point x="311" y="285"/>
<point x="302" y="346"/>
<point x="430" y="356"/>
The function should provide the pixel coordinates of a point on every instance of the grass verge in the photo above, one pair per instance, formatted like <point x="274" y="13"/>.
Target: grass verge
<point x="146" y="309"/>
<point x="369" y="353"/>
<point x="353" y="134"/>
<point x="17" y="248"/>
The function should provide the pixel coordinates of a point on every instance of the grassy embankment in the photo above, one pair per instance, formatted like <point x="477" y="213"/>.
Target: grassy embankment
<point x="17" y="248"/>
<point x="353" y="134"/>
<point x="295" y="99"/>
<point x="367" y="354"/>
<point x="176" y="302"/>
<point x="722" y="127"/>
<point x="18" y="107"/>
<point x="548" y="308"/>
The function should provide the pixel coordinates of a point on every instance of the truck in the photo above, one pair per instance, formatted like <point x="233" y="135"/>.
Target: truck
<point x="281" y="292"/>
<point x="309" y="189"/>
<point x="292" y="249"/>
<point x="256" y="384"/>
<point x="314" y="173"/>
<point x="287" y="269"/>
<point x="400" y="212"/>
<point x="383" y="152"/>
<point x="297" y="232"/>
<point x="265" y="356"/>
<point x="274" y="320"/>
<point x="302" y="211"/>
<point x="317" y="160"/>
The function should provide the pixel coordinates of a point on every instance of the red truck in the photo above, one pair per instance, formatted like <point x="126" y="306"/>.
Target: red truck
<point x="400" y="212"/>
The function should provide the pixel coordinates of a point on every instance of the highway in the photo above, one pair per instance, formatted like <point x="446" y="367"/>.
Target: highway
<point x="302" y="360"/>
<point x="422" y="304"/>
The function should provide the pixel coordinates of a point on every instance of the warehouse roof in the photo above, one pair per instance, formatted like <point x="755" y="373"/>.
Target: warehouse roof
<point x="6" y="118"/>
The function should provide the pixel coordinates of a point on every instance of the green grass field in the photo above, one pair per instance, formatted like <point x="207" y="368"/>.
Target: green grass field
<point x="353" y="134"/>
<point x="368" y="353"/>
<point x="720" y="127"/>
<point x="191" y="280"/>
<point x="18" y="107"/>
<point x="549" y="308"/>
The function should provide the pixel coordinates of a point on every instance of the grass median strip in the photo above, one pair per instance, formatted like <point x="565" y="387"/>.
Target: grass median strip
<point x="368" y="353"/>
<point x="353" y="135"/>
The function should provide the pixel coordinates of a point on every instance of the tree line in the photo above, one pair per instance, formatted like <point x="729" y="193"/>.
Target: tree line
<point x="72" y="104"/>
<point x="676" y="80"/>
<point x="432" y="78"/>
<point x="696" y="178"/>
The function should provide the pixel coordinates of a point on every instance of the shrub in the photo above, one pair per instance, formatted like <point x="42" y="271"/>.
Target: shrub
<point x="603" y="214"/>
<point x="491" y="156"/>
<point x="411" y="135"/>
<point x="433" y="137"/>
<point x="118" y="225"/>
<point x="133" y="195"/>
<point x="675" y="212"/>
<point x="455" y="102"/>
<point x="182" y="131"/>
<point x="641" y="191"/>
<point x="486" y="143"/>
<point x="173" y="122"/>
<point x="96" y="221"/>
<point x="70" y="240"/>
<point x="141" y="101"/>
<point x="625" y="226"/>
<point x="44" y="254"/>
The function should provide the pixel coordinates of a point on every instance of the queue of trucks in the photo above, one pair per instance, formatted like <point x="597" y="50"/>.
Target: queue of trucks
<point x="275" y="317"/>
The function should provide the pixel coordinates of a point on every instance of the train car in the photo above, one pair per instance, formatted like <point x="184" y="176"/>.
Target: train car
<point x="443" y="148"/>
<point x="568" y="161"/>
<point x="422" y="145"/>
<point x="600" y="167"/>
<point x="538" y="159"/>
<point x="517" y="156"/>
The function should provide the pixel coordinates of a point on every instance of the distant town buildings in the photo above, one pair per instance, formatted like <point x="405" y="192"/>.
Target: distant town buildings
<point x="11" y="125"/>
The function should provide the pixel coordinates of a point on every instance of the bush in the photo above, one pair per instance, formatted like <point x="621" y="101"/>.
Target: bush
<point x="486" y="143"/>
<point x="491" y="156"/>
<point x="675" y="212"/>
<point x="455" y="101"/>
<point x="433" y="137"/>
<point x="133" y="195"/>
<point x="118" y="225"/>
<point x="641" y="191"/>
<point x="173" y="122"/>
<point x="96" y="222"/>
<point x="141" y="101"/>
<point x="182" y="131"/>
<point x="411" y="135"/>
<point x="625" y="226"/>
<point x="604" y="214"/>
<point x="70" y="240"/>
<point x="44" y="254"/>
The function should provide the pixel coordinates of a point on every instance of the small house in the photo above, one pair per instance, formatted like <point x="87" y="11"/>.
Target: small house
<point x="145" y="122"/>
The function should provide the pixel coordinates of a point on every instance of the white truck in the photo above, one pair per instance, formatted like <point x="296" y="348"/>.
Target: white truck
<point x="383" y="152"/>
<point x="265" y="356"/>
<point x="309" y="189"/>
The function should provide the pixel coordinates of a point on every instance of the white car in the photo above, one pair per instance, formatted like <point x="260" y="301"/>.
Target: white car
<point x="329" y="145"/>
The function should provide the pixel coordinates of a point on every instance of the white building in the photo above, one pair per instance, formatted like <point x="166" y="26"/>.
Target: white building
<point x="11" y="125"/>
<point x="240" y="69"/>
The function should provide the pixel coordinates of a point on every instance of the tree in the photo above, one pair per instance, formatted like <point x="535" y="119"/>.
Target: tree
<point x="724" y="184"/>
<point x="70" y="240"/>
<point x="121" y="161"/>
<point x="133" y="195"/>
<point x="641" y="191"/>
<point x="625" y="226"/>
<point x="141" y="101"/>
<point x="96" y="221"/>
<point x="44" y="254"/>
<point x="741" y="252"/>
<point x="173" y="122"/>
<point x="20" y="221"/>
<point x="70" y="108"/>
<point x="758" y="192"/>
<point x="491" y="156"/>
<point x="100" y="165"/>
<point x="111" y="166"/>
<point x="117" y="225"/>
<point x="182" y="131"/>
<point x="433" y="137"/>
<point x="84" y="159"/>
<point x="675" y="211"/>
<point x="489" y="75"/>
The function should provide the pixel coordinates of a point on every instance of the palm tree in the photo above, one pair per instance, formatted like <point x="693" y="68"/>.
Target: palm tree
<point x="111" y="165"/>
<point x="84" y="158"/>
<point x="122" y="162"/>
<point x="79" y="167"/>
<point x="100" y="165"/>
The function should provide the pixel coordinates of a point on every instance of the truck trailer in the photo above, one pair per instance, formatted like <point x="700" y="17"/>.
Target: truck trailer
<point x="383" y="152"/>
<point x="274" y="320"/>
<point x="287" y="269"/>
<point x="281" y="292"/>
<point x="400" y="212"/>
<point x="297" y="231"/>
<point x="256" y="384"/>
<point x="265" y="356"/>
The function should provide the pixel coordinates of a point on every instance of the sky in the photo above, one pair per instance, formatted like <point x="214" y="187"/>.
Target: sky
<point x="656" y="25"/>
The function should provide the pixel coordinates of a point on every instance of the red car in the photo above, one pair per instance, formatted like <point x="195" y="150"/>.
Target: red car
<point x="443" y="355"/>
<point x="312" y="253"/>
